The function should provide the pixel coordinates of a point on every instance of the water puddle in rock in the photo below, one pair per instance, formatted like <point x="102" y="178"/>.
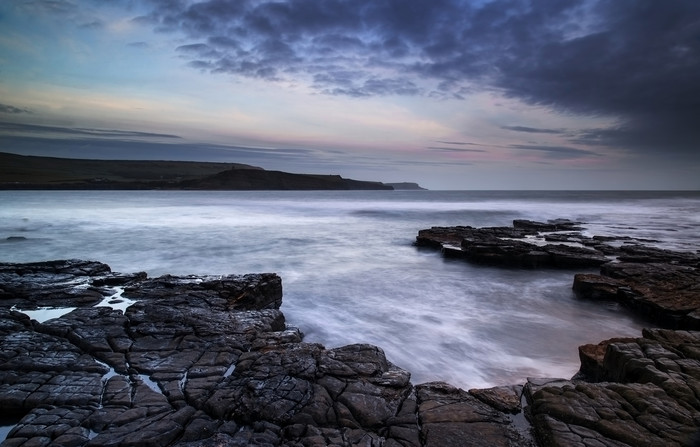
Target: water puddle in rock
<point x="116" y="301"/>
<point x="183" y="382"/>
<point x="6" y="427"/>
<point x="105" y="378"/>
<point x="43" y="314"/>
<point x="149" y="383"/>
<point x="109" y="374"/>
<point x="230" y="369"/>
<point x="7" y="423"/>
<point x="520" y="422"/>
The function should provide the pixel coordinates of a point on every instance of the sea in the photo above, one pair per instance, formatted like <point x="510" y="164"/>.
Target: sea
<point x="351" y="272"/>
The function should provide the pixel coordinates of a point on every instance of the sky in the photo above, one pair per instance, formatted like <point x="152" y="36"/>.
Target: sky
<point x="451" y="94"/>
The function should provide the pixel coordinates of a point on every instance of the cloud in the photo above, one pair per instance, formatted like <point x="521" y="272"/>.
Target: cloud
<point x="53" y="131"/>
<point x="558" y="152"/>
<point x="64" y="10"/>
<point x="79" y="146"/>
<point x="5" y="108"/>
<point x="138" y="45"/>
<point x="454" y="149"/>
<point x="621" y="59"/>
<point x="533" y="130"/>
<point x="461" y="143"/>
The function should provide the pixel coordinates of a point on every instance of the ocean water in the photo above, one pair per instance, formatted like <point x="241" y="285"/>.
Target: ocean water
<point x="351" y="273"/>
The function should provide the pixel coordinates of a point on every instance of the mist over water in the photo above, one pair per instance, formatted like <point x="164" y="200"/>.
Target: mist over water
<point x="350" y="272"/>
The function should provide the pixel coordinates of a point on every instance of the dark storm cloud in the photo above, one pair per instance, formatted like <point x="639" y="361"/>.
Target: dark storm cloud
<point x="637" y="62"/>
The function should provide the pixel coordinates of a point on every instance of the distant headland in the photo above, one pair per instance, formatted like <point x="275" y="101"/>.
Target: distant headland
<point x="33" y="172"/>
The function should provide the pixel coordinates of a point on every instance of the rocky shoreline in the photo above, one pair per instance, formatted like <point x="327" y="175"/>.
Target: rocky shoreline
<point x="210" y="361"/>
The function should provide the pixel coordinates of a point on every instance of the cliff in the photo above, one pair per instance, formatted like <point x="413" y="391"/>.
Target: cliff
<point x="406" y="186"/>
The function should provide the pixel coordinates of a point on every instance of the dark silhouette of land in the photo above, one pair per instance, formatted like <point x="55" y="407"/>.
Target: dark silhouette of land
<point x="32" y="172"/>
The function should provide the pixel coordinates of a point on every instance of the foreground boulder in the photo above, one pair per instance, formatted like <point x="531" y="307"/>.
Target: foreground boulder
<point x="204" y="360"/>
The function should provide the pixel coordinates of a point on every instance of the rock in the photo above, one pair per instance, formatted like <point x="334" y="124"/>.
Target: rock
<point x="592" y="356"/>
<point x="208" y="361"/>
<point x="639" y="253"/>
<point x="513" y="246"/>
<point x="596" y="287"/>
<point x="552" y="225"/>
<point x="661" y="285"/>
<point x="15" y="239"/>
<point x="205" y="360"/>
<point x="452" y="417"/>
<point x="502" y="398"/>
<point x="644" y="392"/>
<point x="667" y="294"/>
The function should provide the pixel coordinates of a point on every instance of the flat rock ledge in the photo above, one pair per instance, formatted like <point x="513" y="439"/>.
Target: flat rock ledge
<point x="210" y="361"/>
<point x="661" y="285"/>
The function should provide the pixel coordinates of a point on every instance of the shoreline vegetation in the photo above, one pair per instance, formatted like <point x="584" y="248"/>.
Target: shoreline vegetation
<point x="24" y="172"/>
<point x="209" y="360"/>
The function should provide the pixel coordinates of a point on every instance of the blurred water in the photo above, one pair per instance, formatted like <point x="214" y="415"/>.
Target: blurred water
<point x="350" y="272"/>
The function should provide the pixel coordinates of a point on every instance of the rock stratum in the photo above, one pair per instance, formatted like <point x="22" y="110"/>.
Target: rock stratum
<point x="210" y="361"/>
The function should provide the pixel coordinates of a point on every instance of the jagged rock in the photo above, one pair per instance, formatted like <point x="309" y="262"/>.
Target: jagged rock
<point x="252" y="291"/>
<point x="452" y="417"/>
<point x="503" y="398"/>
<point x="645" y="392"/>
<point x="639" y="253"/>
<point x="552" y="225"/>
<point x="666" y="293"/>
<point x="596" y="287"/>
<point x="512" y="246"/>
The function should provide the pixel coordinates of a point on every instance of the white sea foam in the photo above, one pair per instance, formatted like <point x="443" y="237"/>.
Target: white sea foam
<point x="350" y="272"/>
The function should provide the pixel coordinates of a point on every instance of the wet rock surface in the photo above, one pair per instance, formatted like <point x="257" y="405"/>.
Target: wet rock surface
<point x="633" y="392"/>
<point x="207" y="361"/>
<point x="525" y="244"/>
<point x="666" y="293"/>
